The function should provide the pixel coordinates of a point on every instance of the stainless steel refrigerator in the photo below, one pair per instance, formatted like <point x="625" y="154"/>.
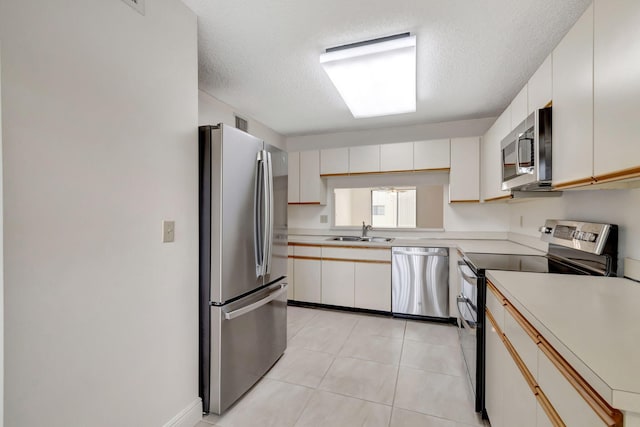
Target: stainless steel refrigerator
<point x="243" y="262"/>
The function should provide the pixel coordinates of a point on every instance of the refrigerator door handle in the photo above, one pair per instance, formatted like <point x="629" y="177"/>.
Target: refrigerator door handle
<point x="258" y="198"/>
<point x="256" y="305"/>
<point x="269" y="221"/>
<point x="265" y="211"/>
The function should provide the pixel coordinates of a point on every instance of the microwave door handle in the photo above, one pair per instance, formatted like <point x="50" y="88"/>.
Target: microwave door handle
<point x="518" y="154"/>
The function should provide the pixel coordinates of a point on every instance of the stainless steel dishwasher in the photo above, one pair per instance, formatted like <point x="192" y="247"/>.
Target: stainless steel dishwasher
<point x="420" y="282"/>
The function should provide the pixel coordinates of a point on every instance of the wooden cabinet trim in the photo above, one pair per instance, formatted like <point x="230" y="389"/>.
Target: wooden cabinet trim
<point x="499" y="198"/>
<point x="315" y="245"/>
<point x="548" y="409"/>
<point x="328" y="175"/>
<point x="366" y="261"/>
<point x="619" y="175"/>
<point x="528" y="376"/>
<point x="575" y="183"/>
<point x="433" y="170"/>
<point x="303" y="203"/>
<point x="611" y="416"/>
<point x="305" y="257"/>
<point x="464" y="201"/>
<point x="524" y="324"/>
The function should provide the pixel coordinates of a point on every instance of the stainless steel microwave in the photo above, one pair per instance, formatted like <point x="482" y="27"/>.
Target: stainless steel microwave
<point x="526" y="154"/>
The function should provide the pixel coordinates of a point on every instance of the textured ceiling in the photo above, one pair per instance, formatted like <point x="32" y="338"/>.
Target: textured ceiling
<point x="473" y="55"/>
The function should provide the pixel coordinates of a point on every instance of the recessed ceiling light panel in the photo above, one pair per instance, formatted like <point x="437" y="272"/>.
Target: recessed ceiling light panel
<point x="376" y="78"/>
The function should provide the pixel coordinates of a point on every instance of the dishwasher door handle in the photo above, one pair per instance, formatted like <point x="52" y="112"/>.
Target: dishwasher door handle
<point x="438" y="253"/>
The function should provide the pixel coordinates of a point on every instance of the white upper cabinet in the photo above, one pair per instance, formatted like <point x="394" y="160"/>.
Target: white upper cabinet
<point x="396" y="157"/>
<point x="464" y="177"/>
<point x="294" y="177"/>
<point x="616" y="88"/>
<point x="491" y="161"/>
<point x="334" y="161"/>
<point x="305" y="184"/>
<point x="539" y="88"/>
<point x="364" y="159"/>
<point x="573" y="105"/>
<point x="519" y="108"/>
<point x="434" y="154"/>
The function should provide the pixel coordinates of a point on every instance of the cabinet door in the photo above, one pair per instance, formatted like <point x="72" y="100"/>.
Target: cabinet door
<point x="573" y="104"/>
<point x="491" y="158"/>
<point x="373" y="286"/>
<point x="308" y="280"/>
<point x="311" y="185"/>
<point x="396" y="157"/>
<point x="290" y="280"/>
<point x="464" y="177"/>
<point x="519" y="107"/>
<point x="542" y="419"/>
<point x="364" y="159"/>
<point x="571" y="407"/>
<point x="334" y="161"/>
<point x="294" y="177"/>
<point x="434" y="154"/>
<point x="495" y="358"/>
<point x="539" y="88"/>
<point x="616" y="86"/>
<point x="520" y="404"/>
<point x="337" y="283"/>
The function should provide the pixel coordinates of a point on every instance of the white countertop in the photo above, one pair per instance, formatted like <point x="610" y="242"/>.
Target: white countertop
<point x="465" y="245"/>
<point x="594" y="322"/>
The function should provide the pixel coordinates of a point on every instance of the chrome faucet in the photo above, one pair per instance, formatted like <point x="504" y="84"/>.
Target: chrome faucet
<point x="365" y="228"/>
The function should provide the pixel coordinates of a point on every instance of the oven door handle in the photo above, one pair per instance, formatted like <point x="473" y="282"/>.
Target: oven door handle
<point x="472" y="329"/>
<point x="472" y="280"/>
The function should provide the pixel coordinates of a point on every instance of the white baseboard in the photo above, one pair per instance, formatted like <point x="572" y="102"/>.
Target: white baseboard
<point x="189" y="416"/>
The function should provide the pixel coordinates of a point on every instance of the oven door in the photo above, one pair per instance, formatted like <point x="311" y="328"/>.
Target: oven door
<point x="467" y="303"/>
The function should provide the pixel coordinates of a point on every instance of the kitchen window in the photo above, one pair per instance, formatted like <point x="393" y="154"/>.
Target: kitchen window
<point x="394" y="207"/>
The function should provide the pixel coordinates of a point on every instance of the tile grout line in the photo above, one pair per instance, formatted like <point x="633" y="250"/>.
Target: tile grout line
<point x="395" y="389"/>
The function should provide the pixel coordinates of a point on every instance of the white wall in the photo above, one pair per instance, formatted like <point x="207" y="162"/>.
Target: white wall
<point x="99" y="114"/>
<point x="213" y="111"/>
<point x="1" y="263"/>
<point x="621" y="207"/>
<point x="389" y="135"/>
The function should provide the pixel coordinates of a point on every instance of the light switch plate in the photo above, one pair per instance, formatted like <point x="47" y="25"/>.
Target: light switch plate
<point x="168" y="231"/>
<point x="324" y="219"/>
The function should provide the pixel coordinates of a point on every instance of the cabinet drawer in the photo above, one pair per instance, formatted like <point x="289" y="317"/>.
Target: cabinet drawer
<point x="495" y="306"/>
<point x="523" y="339"/>
<point x="571" y="407"/>
<point x="357" y="254"/>
<point x="312" y="251"/>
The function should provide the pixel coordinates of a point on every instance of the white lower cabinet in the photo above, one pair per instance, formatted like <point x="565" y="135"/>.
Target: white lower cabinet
<point x="307" y="280"/>
<point x="571" y="407"/>
<point x="520" y="403"/>
<point x="337" y="283"/>
<point x="372" y="286"/>
<point x="290" y="279"/>
<point x="528" y="383"/>
<point x="495" y="359"/>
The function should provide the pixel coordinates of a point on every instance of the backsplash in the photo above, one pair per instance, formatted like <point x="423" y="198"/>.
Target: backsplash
<point x="621" y="207"/>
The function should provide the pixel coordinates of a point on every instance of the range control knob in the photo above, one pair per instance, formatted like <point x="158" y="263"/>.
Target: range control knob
<point x="591" y="237"/>
<point x="545" y="230"/>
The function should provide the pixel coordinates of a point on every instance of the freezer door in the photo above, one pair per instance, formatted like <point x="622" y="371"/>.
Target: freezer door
<point x="229" y="180"/>
<point x="279" y="183"/>
<point x="247" y="338"/>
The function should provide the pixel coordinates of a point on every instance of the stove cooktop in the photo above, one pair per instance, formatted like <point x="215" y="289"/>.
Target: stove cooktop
<point x="524" y="263"/>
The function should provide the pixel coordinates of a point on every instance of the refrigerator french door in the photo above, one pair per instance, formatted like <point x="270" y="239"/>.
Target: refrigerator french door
<point x="243" y="262"/>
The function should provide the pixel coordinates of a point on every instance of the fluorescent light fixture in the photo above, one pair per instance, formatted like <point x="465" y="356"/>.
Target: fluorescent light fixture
<point x="377" y="77"/>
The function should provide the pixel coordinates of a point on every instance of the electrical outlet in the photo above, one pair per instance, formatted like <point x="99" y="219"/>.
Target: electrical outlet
<point x="324" y="219"/>
<point x="168" y="231"/>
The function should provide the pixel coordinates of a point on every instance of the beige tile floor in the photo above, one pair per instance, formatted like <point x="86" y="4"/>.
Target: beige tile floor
<point x="344" y="369"/>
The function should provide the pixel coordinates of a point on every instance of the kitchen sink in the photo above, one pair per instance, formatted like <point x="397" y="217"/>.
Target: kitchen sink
<point x="360" y="239"/>
<point x="346" y="238"/>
